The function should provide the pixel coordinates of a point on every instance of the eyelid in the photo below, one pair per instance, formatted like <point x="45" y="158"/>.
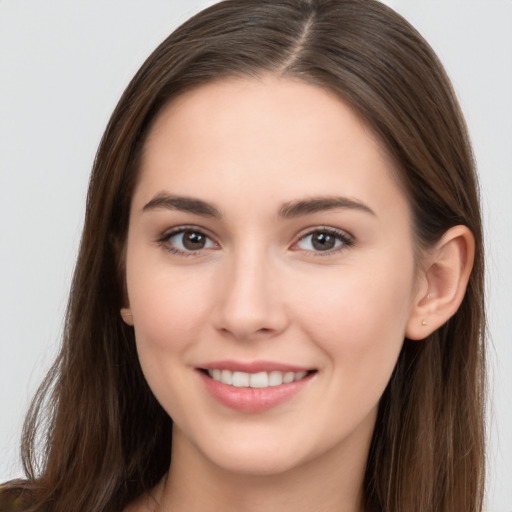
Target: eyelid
<point x="164" y="238"/>
<point x="346" y="238"/>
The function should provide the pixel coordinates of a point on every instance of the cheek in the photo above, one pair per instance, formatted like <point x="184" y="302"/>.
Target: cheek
<point x="167" y="322"/>
<point x="358" y="317"/>
<point x="166" y="310"/>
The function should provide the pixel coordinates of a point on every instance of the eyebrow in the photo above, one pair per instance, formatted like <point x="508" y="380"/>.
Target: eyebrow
<point x="167" y="201"/>
<point x="319" y="204"/>
<point x="289" y="210"/>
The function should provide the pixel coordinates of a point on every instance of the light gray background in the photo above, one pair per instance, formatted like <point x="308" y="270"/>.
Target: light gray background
<point x="63" y="66"/>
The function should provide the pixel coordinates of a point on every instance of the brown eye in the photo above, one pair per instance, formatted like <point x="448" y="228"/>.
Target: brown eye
<point x="324" y="240"/>
<point x="193" y="240"/>
<point x="188" y="240"/>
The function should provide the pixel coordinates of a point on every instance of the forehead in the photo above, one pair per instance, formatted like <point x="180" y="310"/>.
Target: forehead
<point x="255" y="107"/>
<point x="278" y="137"/>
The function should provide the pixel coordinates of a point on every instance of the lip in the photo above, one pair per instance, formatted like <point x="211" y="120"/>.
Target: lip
<point x="253" y="400"/>
<point x="254" y="366"/>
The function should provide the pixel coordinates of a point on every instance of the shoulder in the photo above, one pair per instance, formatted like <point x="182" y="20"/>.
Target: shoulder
<point x="13" y="498"/>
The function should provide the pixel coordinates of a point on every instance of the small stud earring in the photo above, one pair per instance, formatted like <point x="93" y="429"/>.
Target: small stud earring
<point x="424" y="322"/>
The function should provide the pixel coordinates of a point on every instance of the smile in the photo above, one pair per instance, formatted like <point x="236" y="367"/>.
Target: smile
<point x="254" y="387"/>
<point x="259" y="380"/>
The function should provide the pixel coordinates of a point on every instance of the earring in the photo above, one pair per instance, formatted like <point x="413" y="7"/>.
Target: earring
<point x="424" y="322"/>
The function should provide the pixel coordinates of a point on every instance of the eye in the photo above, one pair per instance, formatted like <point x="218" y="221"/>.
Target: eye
<point x="186" y="241"/>
<point x="324" y="240"/>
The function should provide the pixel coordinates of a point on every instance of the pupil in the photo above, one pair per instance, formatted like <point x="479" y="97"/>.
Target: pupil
<point x="323" y="242"/>
<point x="193" y="241"/>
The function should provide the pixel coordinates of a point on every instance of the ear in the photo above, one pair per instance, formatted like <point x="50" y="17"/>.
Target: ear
<point x="445" y="274"/>
<point x="126" y="315"/>
<point x="119" y="250"/>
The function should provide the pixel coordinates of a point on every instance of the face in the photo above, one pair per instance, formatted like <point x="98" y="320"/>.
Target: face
<point x="270" y="273"/>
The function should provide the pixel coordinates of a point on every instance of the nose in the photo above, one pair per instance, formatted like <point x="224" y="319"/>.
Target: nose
<point x="250" y="304"/>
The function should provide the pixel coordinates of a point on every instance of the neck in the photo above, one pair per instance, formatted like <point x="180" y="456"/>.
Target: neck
<point x="331" y="482"/>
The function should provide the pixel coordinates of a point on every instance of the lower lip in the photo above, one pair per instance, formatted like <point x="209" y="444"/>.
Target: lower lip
<point x="253" y="399"/>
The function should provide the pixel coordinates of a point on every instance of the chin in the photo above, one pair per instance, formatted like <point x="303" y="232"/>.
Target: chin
<point x="253" y="453"/>
<point x="249" y="463"/>
<point x="267" y="453"/>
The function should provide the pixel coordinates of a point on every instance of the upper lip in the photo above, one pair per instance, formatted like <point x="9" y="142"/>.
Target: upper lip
<point x="254" y="366"/>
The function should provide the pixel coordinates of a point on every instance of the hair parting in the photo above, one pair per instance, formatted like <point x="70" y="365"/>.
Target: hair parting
<point x="103" y="438"/>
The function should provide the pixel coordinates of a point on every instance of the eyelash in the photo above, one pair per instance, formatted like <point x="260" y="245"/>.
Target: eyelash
<point x="346" y="240"/>
<point x="165" y="238"/>
<point x="339" y="236"/>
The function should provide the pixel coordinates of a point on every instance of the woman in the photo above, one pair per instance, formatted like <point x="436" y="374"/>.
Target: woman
<point x="282" y="252"/>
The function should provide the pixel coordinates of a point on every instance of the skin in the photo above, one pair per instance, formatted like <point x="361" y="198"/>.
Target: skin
<point x="260" y="290"/>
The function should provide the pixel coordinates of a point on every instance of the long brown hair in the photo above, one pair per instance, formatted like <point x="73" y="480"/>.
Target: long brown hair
<point x="104" y="437"/>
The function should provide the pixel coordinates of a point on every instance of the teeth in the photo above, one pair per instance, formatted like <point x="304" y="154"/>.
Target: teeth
<point x="240" y="379"/>
<point x="255" y="380"/>
<point x="299" y="375"/>
<point x="275" y="378"/>
<point x="288" y="377"/>
<point x="258" y="380"/>
<point x="226" y="377"/>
